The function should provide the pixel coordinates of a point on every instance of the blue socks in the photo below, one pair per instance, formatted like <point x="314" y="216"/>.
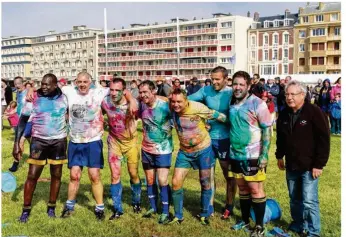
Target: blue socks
<point x="178" y="198"/>
<point x="205" y="201"/>
<point x="136" y="192"/>
<point x="70" y="204"/>
<point x="116" y="192"/>
<point x="99" y="207"/>
<point x="164" y="195"/>
<point x="152" y="195"/>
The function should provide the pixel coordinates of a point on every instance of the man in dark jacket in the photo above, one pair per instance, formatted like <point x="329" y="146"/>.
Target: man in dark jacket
<point x="163" y="89"/>
<point x="303" y="139"/>
<point x="193" y="87"/>
<point x="258" y="86"/>
<point x="8" y="91"/>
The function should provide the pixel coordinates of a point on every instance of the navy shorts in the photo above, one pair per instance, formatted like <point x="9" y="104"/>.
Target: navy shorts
<point x="85" y="154"/>
<point x="204" y="159"/>
<point x="152" y="161"/>
<point x="221" y="148"/>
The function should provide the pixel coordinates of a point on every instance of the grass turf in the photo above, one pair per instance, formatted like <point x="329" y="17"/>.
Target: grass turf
<point x="83" y="222"/>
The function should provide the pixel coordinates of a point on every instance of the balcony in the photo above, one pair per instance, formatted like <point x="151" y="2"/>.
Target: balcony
<point x="317" y="53"/>
<point x="317" y="39"/>
<point x="334" y="38"/>
<point x="153" y="77"/>
<point x="159" y="67"/>
<point x="317" y="67"/>
<point x="139" y="37"/>
<point x="158" y="56"/>
<point x="333" y="52"/>
<point x="198" y="32"/>
<point x="333" y="67"/>
<point x="198" y="43"/>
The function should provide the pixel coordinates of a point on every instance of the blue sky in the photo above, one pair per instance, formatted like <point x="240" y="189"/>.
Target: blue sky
<point x="37" y="18"/>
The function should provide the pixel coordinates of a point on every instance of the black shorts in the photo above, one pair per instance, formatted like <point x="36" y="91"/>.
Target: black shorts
<point x="52" y="151"/>
<point x="245" y="167"/>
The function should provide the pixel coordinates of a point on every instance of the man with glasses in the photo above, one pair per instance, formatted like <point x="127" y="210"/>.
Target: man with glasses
<point x="303" y="138"/>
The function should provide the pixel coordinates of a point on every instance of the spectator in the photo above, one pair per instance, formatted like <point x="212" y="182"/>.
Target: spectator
<point x="277" y="81"/>
<point x="273" y="90"/>
<point x="207" y="82"/>
<point x="62" y="82"/>
<point x="335" y="115"/>
<point x="324" y="97"/>
<point x="303" y="139"/>
<point x="163" y="89"/>
<point x="104" y="83"/>
<point x="229" y="82"/>
<point x="29" y="85"/>
<point x="287" y="79"/>
<point x="336" y="89"/>
<point x="308" y="94"/>
<point x="11" y="114"/>
<point x="8" y="91"/>
<point x="134" y="89"/>
<point x="176" y="84"/>
<point x="281" y="100"/>
<point x="316" y="91"/>
<point x="268" y="98"/>
<point x="193" y="87"/>
<point x="258" y="86"/>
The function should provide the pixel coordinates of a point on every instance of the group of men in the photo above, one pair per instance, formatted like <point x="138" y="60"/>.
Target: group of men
<point x="230" y="124"/>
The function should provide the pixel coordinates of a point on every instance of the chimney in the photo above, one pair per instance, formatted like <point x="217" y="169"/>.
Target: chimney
<point x="51" y="32"/>
<point x="248" y="14"/>
<point x="287" y="12"/>
<point x="301" y="10"/>
<point x="320" y="5"/>
<point x="256" y="16"/>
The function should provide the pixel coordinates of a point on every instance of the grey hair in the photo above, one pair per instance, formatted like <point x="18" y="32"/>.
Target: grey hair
<point x="301" y="85"/>
<point x="83" y="73"/>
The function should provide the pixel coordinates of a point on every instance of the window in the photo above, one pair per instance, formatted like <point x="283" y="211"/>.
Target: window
<point x="211" y="60"/>
<point x="213" y="25"/>
<point x="334" y="17"/>
<point x="266" y="39"/>
<point x="226" y="48"/>
<point x="318" y="18"/>
<point x="285" y="69"/>
<point x="226" y="24"/>
<point x="336" y="60"/>
<point x="253" y="54"/>
<point x="317" y="72"/>
<point x="253" y="40"/>
<point x="337" y="31"/>
<point x="86" y="34"/>
<point x="317" y="46"/>
<point x="305" y="19"/>
<point x="286" y="22"/>
<point x="266" y="55"/>
<point x="225" y="60"/>
<point x="302" y="34"/>
<point x="276" y="23"/>
<point x="275" y="54"/>
<point x="318" y="32"/>
<point x="211" y="37"/>
<point x="317" y="61"/>
<point x="189" y="27"/>
<point x="302" y="48"/>
<point x="226" y="36"/>
<point x="285" y="53"/>
<point x="169" y="30"/>
<point x="301" y="61"/>
<point x="286" y="38"/>
<point x="275" y="39"/>
<point x="270" y="69"/>
<point x="336" y="46"/>
<point x="266" y="24"/>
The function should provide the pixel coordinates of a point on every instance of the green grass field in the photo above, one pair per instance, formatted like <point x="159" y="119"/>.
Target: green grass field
<point x="83" y="222"/>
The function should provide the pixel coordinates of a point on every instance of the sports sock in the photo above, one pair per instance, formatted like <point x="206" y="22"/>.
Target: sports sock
<point x="178" y="200"/>
<point x="164" y="192"/>
<point x="259" y="207"/>
<point x="116" y="192"/>
<point x="245" y="205"/>
<point x="152" y="196"/>
<point x="136" y="192"/>
<point x="205" y="202"/>
<point x="99" y="207"/>
<point x="70" y="204"/>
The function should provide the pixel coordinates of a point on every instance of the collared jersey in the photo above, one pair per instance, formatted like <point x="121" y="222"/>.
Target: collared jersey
<point x="219" y="101"/>
<point x="247" y="119"/>
<point x="157" y="129"/>
<point x="122" y="127"/>
<point x="23" y="107"/>
<point x="85" y="114"/>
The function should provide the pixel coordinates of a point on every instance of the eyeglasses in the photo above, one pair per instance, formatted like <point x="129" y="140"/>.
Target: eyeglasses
<point x="292" y="94"/>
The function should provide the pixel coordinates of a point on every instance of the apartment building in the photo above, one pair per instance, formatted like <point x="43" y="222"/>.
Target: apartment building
<point x="318" y="39"/>
<point x="271" y="44"/>
<point x="16" y="56"/>
<point x="65" y="54"/>
<point x="181" y="47"/>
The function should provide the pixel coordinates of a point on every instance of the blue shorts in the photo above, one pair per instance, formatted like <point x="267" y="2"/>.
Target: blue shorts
<point x="204" y="159"/>
<point x="221" y="148"/>
<point x="152" y="161"/>
<point x="85" y="154"/>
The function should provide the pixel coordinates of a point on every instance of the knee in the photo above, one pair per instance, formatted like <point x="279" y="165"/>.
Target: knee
<point x="115" y="178"/>
<point x="176" y="183"/>
<point x="75" y="177"/>
<point x="150" y="180"/>
<point x="95" y="179"/>
<point x="163" y="181"/>
<point x="205" y="183"/>
<point x="133" y="174"/>
<point x="243" y="189"/>
<point x="56" y="174"/>
<point x="32" y="177"/>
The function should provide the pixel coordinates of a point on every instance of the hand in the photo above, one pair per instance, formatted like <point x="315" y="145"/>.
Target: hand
<point x="30" y="95"/>
<point x="16" y="152"/>
<point x="281" y="164"/>
<point x="133" y="107"/>
<point x="262" y="163"/>
<point x="316" y="173"/>
<point x="207" y="126"/>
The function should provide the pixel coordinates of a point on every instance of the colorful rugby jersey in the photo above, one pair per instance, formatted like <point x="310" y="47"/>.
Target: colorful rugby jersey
<point x="157" y="129"/>
<point x="85" y="114"/>
<point x="219" y="101"/>
<point x="190" y="126"/>
<point x="23" y="107"/>
<point x="247" y="120"/>
<point x="48" y="117"/>
<point x="122" y="128"/>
